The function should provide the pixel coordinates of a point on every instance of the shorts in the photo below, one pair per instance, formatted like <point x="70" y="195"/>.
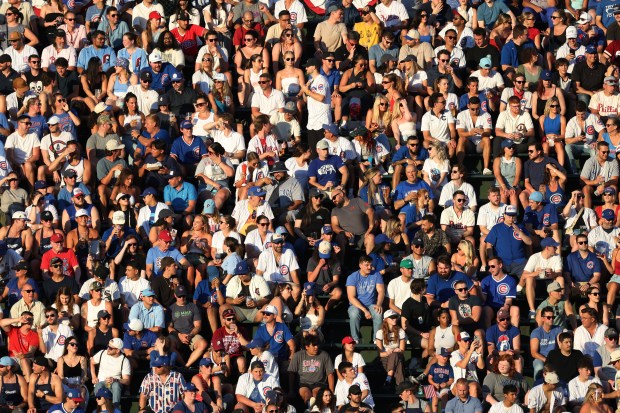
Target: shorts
<point x="245" y="314"/>
<point x="471" y="145"/>
<point x="192" y="343"/>
<point x="614" y="279"/>
<point x="313" y="386"/>
<point x="196" y="259"/>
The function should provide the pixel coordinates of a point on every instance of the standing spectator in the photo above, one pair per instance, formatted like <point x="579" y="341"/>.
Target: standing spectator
<point x="318" y="101"/>
<point x="365" y="291"/>
<point x="508" y="241"/>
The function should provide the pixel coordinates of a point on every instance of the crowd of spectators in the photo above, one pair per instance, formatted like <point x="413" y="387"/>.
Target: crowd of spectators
<point x="190" y="191"/>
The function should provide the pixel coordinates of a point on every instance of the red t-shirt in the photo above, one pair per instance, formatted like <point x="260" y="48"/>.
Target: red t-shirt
<point x="239" y="36"/>
<point x="69" y="261"/>
<point x="613" y="51"/>
<point x="229" y="343"/>
<point x="20" y="343"/>
<point x="188" y="41"/>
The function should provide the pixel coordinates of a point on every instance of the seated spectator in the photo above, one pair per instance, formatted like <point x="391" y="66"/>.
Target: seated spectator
<point x="185" y="326"/>
<point x="23" y="341"/>
<point x="309" y="382"/>
<point x="563" y="359"/>
<point x="504" y="338"/>
<point x="353" y="387"/>
<point x="365" y="292"/>
<point x="40" y="396"/>
<point x="504" y="374"/>
<point x="458" y="220"/>
<point x="590" y="335"/>
<point x="578" y="387"/>
<point x="441" y="285"/>
<point x="598" y="173"/>
<point x="247" y="293"/>
<point x="256" y="378"/>
<point x="547" y="392"/>
<point x="440" y="379"/>
<point x="171" y="384"/>
<point x="499" y="290"/>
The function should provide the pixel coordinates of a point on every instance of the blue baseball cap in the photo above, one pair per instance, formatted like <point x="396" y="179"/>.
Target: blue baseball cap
<point x="190" y="387"/>
<point x="104" y="392"/>
<point x="444" y="352"/>
<point x="176" y="77"/>
<point x="507" y="143"/>
<point x="158" y="360"/>
<point x="609" y="214"/>
<point x="549" y="242"/>
<point x="327" y="229"/>
<point x="383" y="239"/>
<point x="257" y="342"/>
<point x="147" y="292"/>
<point x="73" y="394"/>
<point x="545" y="75"/>
<point x="206" y="361"/>
<point x="208" y="207"/>
<point x="591" y="49"/>
<point x="536" y="196"/>
<point x="149" y="191"/>
<point x="7" y="361"/>
<point x="331" y="128"/>
<point x="309" y="288"/>
<point x="242" y="268"/>
<point x="256" y="191"/>
<point x="187" y="124"/>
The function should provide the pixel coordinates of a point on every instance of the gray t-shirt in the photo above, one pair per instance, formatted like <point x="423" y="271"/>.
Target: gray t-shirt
<point x="353" y="217"/>
<point x="282" y="194"/>
<point x="97" y="142"/>
<point x="494" y="384"/>
<point x="326" y="275"/>
<point x="183" y="317"/>
<point x="105" y="165"/>
<point x="311" y="369"/>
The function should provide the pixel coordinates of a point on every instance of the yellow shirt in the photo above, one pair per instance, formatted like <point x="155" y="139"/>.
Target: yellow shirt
<point x="369" y="33"/>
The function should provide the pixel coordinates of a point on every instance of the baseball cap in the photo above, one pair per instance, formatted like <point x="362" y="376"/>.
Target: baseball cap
<point x="96" y="286"/>
<point x="134" y="325"/>
<point x="614" y="356"/>
<point x="183" y="16"/>
<point x="277" y="239"/>
<point x="406" y="263"/>
<point x="149" y="191"/>
<point x="56" y="260"/>
<point x="242" y="268"/>
<point x="155" y="57"/>
<point x="463" y="336"/>
<point x="7" y="361"/>
<point x="60" y="33"/>
<point x="405" y="385"/>
<point x="256" y="343"/>
<point x="312" y="62"/>
<point x="163" y="100"/>
<point x="121" y="195"/>
<point x="102" y="314"/>
<point x="503" y="313"/>
<point x="176" y="77"/>
<point x="122" y="62"/>
<point x="48" y="216"/>
<point x="551" y="378"/>
<point x="180" y="291"/>
<point x="322" y="144"/>
<point x="57" y="237"/>
<point x="70" y="173"/>
<point x="348" y="340"/>
<point x="270" y="309"/>
<point x="81" y="213"/>
<point x="549" y="242"/>
<point x="20" y="215"/>
<point x="186" y="124"/>
<point x="220" y="77"/>
<point x="147" y="292"/>
<point x="229" y="313"/>
<point x="332" y="128"/>
<point x="146" y="76"/>
<point x="208" y="207"/>
<point x="584" y="18"/>
<point x="507" y="143"/>
<point x="536" y="196"/>
<point x="327" y="229"/>
<point x="205" y="361"/>
<point x="390" y="314"/>
<point x="609" y="214"/>
<point x="54" y="120"/>
<point x="545" y="75"/>
<point x="104" y="392"/>
<point x="164" y="235"/>
<point x="511" y="210"/>
<point x="309" y="288"/>
<point x="616" y="10"/>
<point x="190" y="387"/>
<point x="417" y="241"/>
<point x="154" y="15"/>
<point x="412" y="34"/>
<point x="485" y="63"/>
<point x="22" y="265"/>
<point x="314" y="191"/>
<point x="609" y="190"/>
<point x="116" y="343"/>
<point x="591" y="49"/>
<point x="355" y="389"/>
<point x="571" y="32"/>
<point x="388" y="58"/>
<point x="554" y="286"/>
<point x="444" y="352"/>
<point x="279" y="167"/>
<point x="158" y="360"/>
<point x="118" y="218"/>
<point x="610" y="80"/>
<point x="73" y="394"/>
<point x="325" y="249"/>
<point x="609" y="333"/>
<point x="113" y="145"/>
<point x="290" y="107"/>
<point x="256" y="191"/>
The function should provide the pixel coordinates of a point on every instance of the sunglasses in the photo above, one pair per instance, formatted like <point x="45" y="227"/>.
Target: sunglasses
<point x="444" y="60"/>
<point x="451" y="37"/>
<point x="289" y="59"/>
<point x="460" y="200"/>
<point x="502" y="320"/>
<point x="50" y="315"/>
<point x="212" y="40"/>
<point x="230" y="319"/>
<point x="595" y="294"/>
<point x="519" y="81"/>
<point x="263" y="82"/>
<point x="330" y="60"/>
<point x="460" y="289"/>
<point x="492" y="266"/>
<point x="26" y="123"/>
<point x="201" y="104"/>
<point x="548" y="317"/>
<point x="554" y="106"/>
<point x="263" y="224"/>
<point x="68" y="19"/>
<point x="28" y="291"/>
<point x="251" y="39"/>
<point x="207" y="59"/>
<point x="582" y="242"/>
<point x="56" y="265"/>
<point x="73" y="344"/>
<point x="113" y="15"/>
<point x="112" y="348"/>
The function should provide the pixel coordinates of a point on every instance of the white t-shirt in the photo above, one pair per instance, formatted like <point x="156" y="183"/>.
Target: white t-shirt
<point x="268" y="105"/>
<point x="606" y="105"/>
<point x="141" y="13"/>
<point x="131" y="290"/>
<point x="577" y="389"/>
<point x="457" y="224"/>
<point x="565" y="50"/>
<point x="254" y="243"/>
<point x="445" y="200"/>
<point x="392" y="343"/>
<point x="217" y="241"/>
<point x="465" y="121"/>
<point x="110" y="289"/>
<point x="493" y="81"/>
<point x="591" y="127"/>
<point x="438" y="126"/>
<point x="232" y="143"/>
<point x="298" y="172"/>
<point x="469" y="372"/>
<point x="297" y="10"/>
<point x="358" y="361"/>
<point x="391" y="15"/>
<point x="271" y="367"/>
<point x="511" y="124"/>
<point x="434" y="170"/>
<point x="526" y="102"/>
<point x="319" y="113"/>
<point x="342" y="147"/>
<point x="50" y="54"/>
<point x="54" y="145"/>
<point x="603" y="242"/>
<point x="277" y="272"/>
<point x="55" y="342"/>
<point x="457" y="56"/>
<point x="488" y="217"/>
<point x="399" y="291"/>
<point x="22" y="146"/>
<point x="538" y="261"/>
<point x="109" y="366"/>
<point x="246" y="385"/>
<point x="342" y="390"/>
<point x="501" y="408"/>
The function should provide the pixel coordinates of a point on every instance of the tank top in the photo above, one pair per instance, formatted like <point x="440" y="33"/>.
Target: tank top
<point x="79" y="170"/>
<point x="360" y="77"/>
<point x="406" y="129"/>
<point x="120" y="89"/>
<point x="91" y="312"/>
<point x="508" y="169"/>
<point x="246" y="60"/>
<point x="314" y="318"/>
<point x="556" y="198"/>
<point x="254" y="78"/>
<point x="127" y="126"/>
<point x="101" y="340"/>
<point x="199" y="124"/>
<point x="41" y="403"/>
<point x="444" y="338"/>
<point x="50" y="31"/>
<point x="613" y="149"/>
<point x="208" y="389"/>
<point x="286" y="86"/>
<point x="44" y="244"/>
<point x="14" y="243"/>
<point x="541" y="103"/>
<point x="11" y="393"/>
<point x="75" y="371"/>
<point x="552" y="126"/>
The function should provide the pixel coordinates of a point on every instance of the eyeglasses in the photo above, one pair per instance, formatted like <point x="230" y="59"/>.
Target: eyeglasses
<point x="519" y="81"/>
<point x="555" y="17"/>
<point x="530" y="151"/>
<point x="288" y="35"/>
<point x="492" y="266"/>
<point x="73" y="344"/>
<point x="554" y="106"/>
<point x="548" y="317"/>
<point x="207" y="59"/>
<point x="249" y="39"/>
<point x="61" y="100"/>
<point x="423" y="15"/>
<point x="451" y="37"/>
<point x="230" y="319"/>
<point x="502" y="320"/>
<point x="201" y="104"/>
<point x="444" y="60"/>
<point x="35" y="62"/>
<point x="456" y="171"/>
<point x="176" y="81"/>
<point x="604" y="152"/>
<point x="50" y="315"/>
<point x="460" y="289"/>
<point x="263" y="82"/>
<point x="113" y="15"/>
<point x="56" y="265"/>
<point x="133" y="244"/>
<point x="28" y="291"/>
<point x="610" y="124"/>
<point x="9" y="14"/>
<point x="112" y="348"/>
<point x="461" y="200"/>
<point x="26" y="123"/>
<point x="582" y="242"/>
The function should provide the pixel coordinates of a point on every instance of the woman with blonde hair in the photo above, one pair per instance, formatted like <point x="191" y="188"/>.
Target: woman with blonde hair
<point x="288" y="44"/>
<point x="375" y="194"/>
<point x="528" y="19"/>
<point x="501" y="32"/>
<point x="248" y="82"/>
<point x="594" y="402"/>
<point x="403" y="122"/>
<point x="378" y="119"/>
<point x="289" y="79"/>
<point x="416" y="85"/>
<point x="553" y="127"/>
<point x="390" y="340"/>
<point x="400" y="240"/>
<point x="466" y="260"/>
<point x="436" y="167"/>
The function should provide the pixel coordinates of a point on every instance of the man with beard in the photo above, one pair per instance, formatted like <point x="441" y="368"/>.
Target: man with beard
<point x="228" y="339"/>
<point x="508" y="241"/>
<point x="69" y="221"/>
<point x="411" y="154"/>
<point x="352" y="221"/>
<point x="277" y="265"/>
<point x="285" y="196"/>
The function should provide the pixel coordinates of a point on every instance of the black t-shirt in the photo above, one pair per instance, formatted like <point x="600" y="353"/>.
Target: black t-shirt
<point x="51" y="287"/>
<point x="417" y="313"/>
<point x="6" y="82"/>
<point x="613" y="32"/>
<point x="474" y="54"/>
<point x="164" y="291"/>
<point x="35" y="83"/>
<point x="342" y="53"/>
<point x="464" y="308"/>
<point x="182" y="103"/>
<point x="66" y="84"/>
<point x="566" y="367"/>
<point x="318" y="218"/>
<point x="590" y="78"/>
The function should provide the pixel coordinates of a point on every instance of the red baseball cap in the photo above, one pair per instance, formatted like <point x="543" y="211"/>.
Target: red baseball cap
<point x="348" y="340"/>
<point x="165" y="235"/>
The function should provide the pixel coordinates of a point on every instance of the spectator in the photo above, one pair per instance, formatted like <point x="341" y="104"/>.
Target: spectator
<point x="504" y="338"/>
<point x="564" y="359"/>
<point x="186" y="325"/>
<point x="508" y="241"/>
<point x="257" y="379"/>
<point x="161" y="388"/>
<point x="365" y="292"/>
<point x="114" y="369"/>
<point x="352" y="388"/>
<point x="598" y="173"/>
<point x="309" y="380"/>
<point x="247" y="293"/>
<point x="43" y="396"/>
<point x="441" y="285"/>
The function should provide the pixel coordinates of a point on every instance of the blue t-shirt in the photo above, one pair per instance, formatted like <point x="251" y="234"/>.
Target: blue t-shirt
<point x="490" y="14"/>
<point x="64" y="196"/>
<point x="162" y="80"/>
<point x="484" y="102"/>
<point x="204" y="293"/>
<point x="65" y="122"/>
<point x="162" y="135"/>
<point x="441" y="374"/>
<point x="498" y="291"/>
<point x="507" y="243"/>
<point x="502" y="339"/>
<point x="443" y="289"/>
<point x="179" y="199"/>
<point x="547" y="216"/>
<point x="277" y="341"/>
<point x="138" y="59"/>
<point x="546" y="341"/>
<point x="58" y="408"/>
<point x="154" y="256"/>
<point x="145" y="342"/>
<point x="327" y="170"/>
<point x="116" y="244"/>
<point x="605" y="9"/>
<point x="455" y="405"/>
<point x="333" y="79"/>
<point x="378" y="263"/>
<point x="365" y="287"/>
<point x="403" y="153"/>
<point x="405" y="188"/>
<point x="582" y="269"/>
<point x="188" y="154"/>
<point x="106" y="54"/>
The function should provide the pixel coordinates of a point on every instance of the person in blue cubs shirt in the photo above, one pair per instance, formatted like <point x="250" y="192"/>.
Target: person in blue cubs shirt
<point x="440" y="286"/>
<point x="440" y="378"/>
<point x="188" y="149"/>
<point x="180" y="196"/>
<point x="137" y="342"/>
<point x="582" y="268"/>
<point x="504" y="338"/>
<point x="540" y="216"/>
<point x="326" y="171"/>
<point x="277" y="335"/>
<point x="73" y="398"/>
<point x="407" y="190"/>
<point x="413" y="153"/>
<point x="508" y="240"/>
<point x="365" y="291"/>
<point x="498" y="290"/>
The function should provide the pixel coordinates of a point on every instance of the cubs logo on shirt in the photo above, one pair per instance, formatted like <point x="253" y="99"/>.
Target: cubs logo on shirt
<point x="555" y="199"/>
<point x="516" y="235"/>
<point x="61" y="340"/>
<point x="278" y="337"/>
<point x="503" y="288"/>
<point x="284" y="269"/>
<point x="590" y="130"/>
<point x="590" y="265"/>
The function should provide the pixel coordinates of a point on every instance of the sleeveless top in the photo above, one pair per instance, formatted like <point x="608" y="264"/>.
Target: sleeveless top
<point x="101" y="340"/>
<point x="254" y="78"/>
<point x="96" y="85"/>
<point x="81" y="250"/>
<point x="45" y="244"/>
<point x="91" y="312"/>
<point x="541" y="103"/>
<point x="50" y="31"/>
<point x="286" y="86"/>
<point x="508" y="169"/>
<point x="613" y="149"/>
<point x="120" y="89"/>
<point x="444" y="338"/>
<point x="127" y="124"/>
<point x="360" y="77"/>
<point x="556" y="198"/>
<point x="199" y="124"/>
<point x="14" y="243"/>
<point x="208" y="389"/>
<point x="245" y="61"/>
<point x="41" y="403"/>
<point x="75" y="371"/>
<point x="79" y="170"/>
<point x="10" y="393"/>
<point x="406" y="129"/>
<point x="553" y="126"/>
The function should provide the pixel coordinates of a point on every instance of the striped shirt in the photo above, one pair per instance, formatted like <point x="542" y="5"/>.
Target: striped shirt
<point x="163" y="396"/>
